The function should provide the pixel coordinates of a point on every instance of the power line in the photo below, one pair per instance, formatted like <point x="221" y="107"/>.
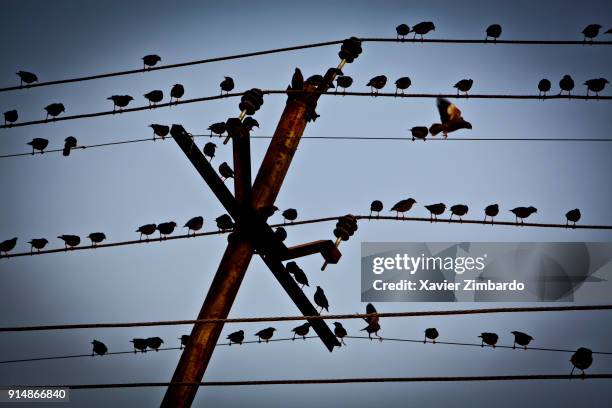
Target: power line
<point x="283" y="92"/>
<point x="529" y="309"/>
<point x="303" y="222"/>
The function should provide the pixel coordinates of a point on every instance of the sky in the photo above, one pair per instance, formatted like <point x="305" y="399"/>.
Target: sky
<point x="117" y="189"/>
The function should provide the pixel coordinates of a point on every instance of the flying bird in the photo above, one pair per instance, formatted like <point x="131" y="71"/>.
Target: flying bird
<point x="226" y="171"/>
<point x="340" y="332"/>
<point x="26" y="77"/>
<point x="96" y="238"/>
<point x="194" y="224"/>
<point x="184" y="340"/>
<point x="69" y="143"/>
<point x="543" y="86"/>
<point x="70" y="240"/>
<point x="147" y="229"/>
<point x="402" y="31"/>
<point x="591" y="31"/>
<point x="224" y="222"/>
<point x="120" y="101"/>
<point x="343" y="81"/>
<point x="566" y="84"/>
<point x="54" y="109"/>
<point x="38" y="243"/>
<point x="297" y="272"/>
<point x="99" y="348"/>
<point x="150" y="60"/>
<point x="154" y="343"/>
<point x="8" y="245"/>
<point x="372" y="328"/>
<point x="581" y="359"/>
<point x="236" y="337"/>
<point x="596" y="85"/>
<point x="39" y="144"/>
<point x="297" y="80"/>
<point x="139" y="344"/>
<point x="523" y="212"/>
<point x="166" y="228"/>
<point x="572" y="216"/>
<point x="177" y="92"/>
<point x="402" y="84"/>
<point x="522" y="339"/>
<point x="493" y="31"/>
<point x="301" y="330"/>
<point x="423" y="28"/>
<point x="160" y="130"/>
<point x="371" y="310"/>
<point x="217" y="128"/>
<point x="488" y="338"/>
<point x="431" y="334"/>
<point x="377" y="207"/>
<point x="435" y="210"/>
<point x="491" y="211"/>
<point x="419" y="132"/>
<point x="10" y="116"/>
<point x="209" y="150"/>
<point x="290" y="214"/>
<point x="403" y="206"/>
<point x="378" y="83"/>
<point x="459" y="210"/>
<point x="227" y="85"/>
<point x="249" y="123"/>
<point x="321" y="300"/>
<point x="154" y="96"/>
<point x="464" y="86"/>
<point x="451" y="119"/>
<point x="265" y="334"/>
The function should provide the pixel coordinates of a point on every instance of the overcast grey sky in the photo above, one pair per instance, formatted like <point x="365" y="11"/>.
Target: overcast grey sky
<point x="116" y="189"/>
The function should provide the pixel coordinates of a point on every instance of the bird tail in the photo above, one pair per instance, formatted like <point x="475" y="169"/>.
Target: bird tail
<point x="435" y="129"/>
<point x="66" y="151"/>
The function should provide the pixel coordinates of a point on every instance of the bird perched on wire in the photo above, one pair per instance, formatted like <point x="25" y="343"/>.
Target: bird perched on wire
<point x="160" y="130"/>
<point x="39" y="144"/>
<point x="403" y="206"/>
<point x="209" y="150"/>
<point x="99" y="348"/>
<point x="150" y="60"/>
<point x="316" y="80"/>
<point x="378" y="83"/>
<point x="591" y="31"/>
<point x="217" y="128"/>
<point x="267" y="211"/>
<point x="371" y="310"/>
<point x="298" y="274"/>
<point x="225" y="171"/>
<point x="572" y="216"/>
<point x="177" y="92"/>
<point x="419" y="132"/>
<point x="431" y="334"/>
<point x="154" y="96"/>
<point x="280" y="233"/>
<point x="69" y="143"/>
<point x="70" y="240"/>
<point x="290" y="214"/>
<point x="224" y="222"/>
<point x="566" y="84"/>
<point x="54" y="110"/>
<point x="236" y="337"/>
<point x="249" y="123"/>
<point x="376" y="207"/>
<point x="464" y="86"/>
<point x="227" y="85"/>
<point x="7" y="245"/>
<point x="265" y="334"/>
<point x="38" y="243"/>
<point x="184" y="340"/>
<point x="166" y="228"/>
<point x="402" y="84"/>
<point x="10" y="116"/>
<point x="194" y="224"/>
<point x="340" y="332"/>
<point x="596" y="85"/>
<point x="543" y="86"/>
<point x="301" y="330"/>
<point x="459" y="210"/>
<point x="402" y="31"/>
<point x="494" y="31"/>
<point x="26" y="77"/>
<point x="435" y="210"/>
<point x="343" y="81"/>
<point x="423" y="28"/>
<point x="147" y="230"/>
<point x="139" y="344"/>
<point x="523" y="212"/>
<point x="372" y="328"/>
<point x="581" y="359"/>
<point x="96" y="238"/>
<point x="154" y="343"/>
<point x="297" y="80"/>
<point x="451" y="119"/>
<point x="320" y="299"/>
<point x="522" y="339"/>
<point x="120" y="101"/>
<point x="491" y="211"/>
<point x="488" y="338"/>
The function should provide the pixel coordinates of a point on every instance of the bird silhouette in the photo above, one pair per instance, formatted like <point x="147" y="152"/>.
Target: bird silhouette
<point x="572" y="216"/>
<point x="184" y="340"/>
<point x="265" y="334"/>
<point x="591" y="31"/>
<point x="8" y="245"/>
<point x="154" y="343"/>
<point x="209" y="150"/>
<point x="226" y="85"/>
<point x="38" y="243"/>
<point x="459" y="210"/>
<point x="378" y="83"/>
<point x="403" y="206"/>
<point x="54" y="110"/>
<point x="494" y="31"/>
<point x="423" y="28"/>
<point x="402" y="84"/>
<point x="464" y="86"/>
<point x="99" y="348"/>
<point x="402" y="31"/>
<point x="301" y="330"/>
<point x="70" y="240"/>
<point x="431" y="334"/>
<point x="225" y="171"/>
<point x="451" y="119"/>
<point x="194" y="224"/>
<point x="596" y="85"/>
<point x="236" y="337"/>
<point x="249" y="123"/>
<point x="343" y="81"/>
<point x="150" y="60"/>
<point x="290" y="214"/>
<point x="166" y="228"/>
<point x="488" y="338"/>
<point x="377" y="207"/>
<point x="147" y="229"/>
<point x="26" y="77"/>
<point x="139" y="344"/>
<point x="39" y="144"/>
<point x="154" y="97"/>
<point x="372" y="328"/>
<point x="160" y="130"/>
<point x="435" y="210"/>
<point x="522" y="339"/>
<point x="10" y="116"/>
<point x="321" y="300"/>
<point x="491" y="211"/>
<point x="267" y="211"/>
<point x="523" y="212"/>
<point x="316" y="80"/>
<point x="177" y="92"/>
<point x="69" y="143"/>
<point x="298" y="274"/>
<point x="566" y="84"/>
<point x="280" y="233"/>
<point x="224" y="222"/>
<point x="217" y="128"/>
<point x="96" y="238"/>
<point x="120" y="101"/>
<point x="543" y="86"/>
<point x="371" y="310"/>
<point x="297" y="80"/>
<point x="340" y="332"/>
<point x="581" y="359"/>
<point x="419" y="132"/>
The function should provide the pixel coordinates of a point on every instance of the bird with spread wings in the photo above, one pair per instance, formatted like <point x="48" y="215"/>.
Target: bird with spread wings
<point x="451" y="119"/>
